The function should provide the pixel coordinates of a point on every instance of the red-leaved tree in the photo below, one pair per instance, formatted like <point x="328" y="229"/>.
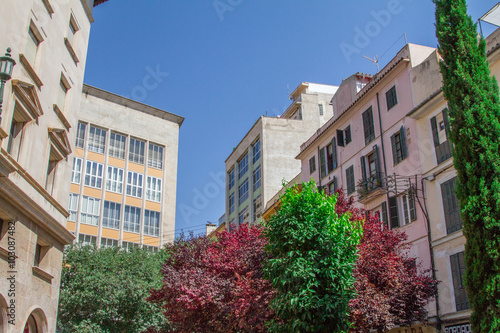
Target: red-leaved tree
<point x="216" y="286"/>
<point x="390" y="289"/>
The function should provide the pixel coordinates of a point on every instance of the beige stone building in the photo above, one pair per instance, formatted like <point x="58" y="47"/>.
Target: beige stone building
<point x="49" y="44"/>
<point x="266" y="155"/>
<point x="124" y="176"/>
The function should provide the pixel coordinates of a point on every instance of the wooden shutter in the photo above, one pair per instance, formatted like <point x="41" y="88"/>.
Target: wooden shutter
<point x="350" y="179"/>
<point x="334" y="153"/>
<point x="340" y="138"/>
<point x="347" y="134"/>
<point x="404" y="149"/>
<point x="450" y="206"/>
<point x="363" y="169"/>
<point x="366" y="125"/>
<point x="435" y="133"/>
<point x="457" y="272"/>
<point x="413" y="208"/>
<point x="322" y="158"/>
<point x="394" y="149"/>
<point x="393" y="211"/>
<point x="377" y="165"/>
<point x="385" y="220"/>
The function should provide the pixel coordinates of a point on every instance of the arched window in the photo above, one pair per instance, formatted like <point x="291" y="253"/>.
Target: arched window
<point x="31" y="326"/>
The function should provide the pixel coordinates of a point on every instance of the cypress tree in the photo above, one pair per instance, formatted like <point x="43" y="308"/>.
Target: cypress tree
<point x="474" y="111"/>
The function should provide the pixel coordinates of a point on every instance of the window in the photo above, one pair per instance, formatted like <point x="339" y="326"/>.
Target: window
<point x="117" y="145"/>
<point x="231" y="179"/>
<point x="312" y="164"/>
<point x="80" y="135"/>
<point x="38" y="255"/>
<point x="151" y="223"/>
<point x="73" y="207"/>
<point x="349" y="174"/>
<point x="114" y="180"/>
<point x="391" y="98"/>
<point x="87" y="239"/>
<point x="73" y="28"/>
<point x="332" y="187"/>
<point x="440" y="136"/>
<point x="231" y="203"/>
<point x="409" y="211"/>
<point x="257" y="204"/>
<point x="320" y="106"/>
<point x="243" y="215"/>
<point x="97" y="140"/>
<point x="76" y="174"/>
<point x="393" y="212"/>
<point x="108" y="242"/>
<point x="257" y="178"/>
<point x="243" y="166"/>
<point x="399" y="149"/>
<point x="134" y="184"/>
<point x="89" y="213"/>
<point x="328" y="158"/>
<point x="132" y="220"/>
<point x="155" y="156"/>
<point x="111" y="215"/>
<point x="16" y="133"/>
<point x="372" y="177"/>
<point x="450" y="206"/>
<point x="61" y="92"/>
<point x="54" y="158"/>
<point x="457" y="272"/>
<point x="344" y="136"/>
<point x="243" y="192"/>
<point x="368" y="126"/>
<point x="32" y="42"/>
<point x="150" y="248"/>
<point x="136" y="151"/>
<point x="256" y="151"/>
<point x="93" y="174"/>
<point x="153" y="189"/>
<point x="128" y="246"/>
<point x="383" y="214"/>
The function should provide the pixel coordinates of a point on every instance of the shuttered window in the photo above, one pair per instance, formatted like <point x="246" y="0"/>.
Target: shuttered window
<point x="458" y="271"/>
<point x="399" y="147"/>
<point x="391" y="98"/>
<point x="442" y="146"/>
<point x="393" y="211"/>
<point x="450" y="206"/>
<point x="322" y="162"/>
<point x="349" y="174"/>
<point x="368" y="126"/>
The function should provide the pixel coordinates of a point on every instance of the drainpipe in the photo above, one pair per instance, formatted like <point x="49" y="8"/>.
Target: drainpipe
<point x="319" y="167"/>
<point x="383" y="156"/>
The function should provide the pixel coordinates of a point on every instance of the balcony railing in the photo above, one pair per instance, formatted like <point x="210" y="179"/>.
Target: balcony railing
<point x="369" y="185"/>
<point x="443" y="151"/>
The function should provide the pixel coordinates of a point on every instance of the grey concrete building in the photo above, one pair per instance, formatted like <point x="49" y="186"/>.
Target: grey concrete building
<point x="266" y="155"/>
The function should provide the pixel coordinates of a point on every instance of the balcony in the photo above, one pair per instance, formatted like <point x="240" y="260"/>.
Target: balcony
<point x="370" y="188"/>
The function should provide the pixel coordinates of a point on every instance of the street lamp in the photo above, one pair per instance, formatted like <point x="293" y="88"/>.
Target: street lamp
<point x="6" y="66"/>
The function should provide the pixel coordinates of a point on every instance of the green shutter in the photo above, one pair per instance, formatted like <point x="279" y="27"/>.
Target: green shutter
<point x="435" y="133"/>
<point x="393" y="211"/>
<point x="404" y="148"/>
<point x="394" y="149"/>
<point x="322" y="158"/>
<point x="334" y="153"/>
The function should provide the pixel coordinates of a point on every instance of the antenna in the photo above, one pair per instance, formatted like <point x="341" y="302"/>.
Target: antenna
<point x="375" y="61"/>
<point x="288" y="89"/>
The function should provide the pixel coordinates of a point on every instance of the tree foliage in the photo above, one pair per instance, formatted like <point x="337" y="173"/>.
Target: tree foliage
<point x="389" y="288"/>
<point x="474" y="110"/>
<point x="105" y="290"/>
<point x="216" y="286"/>
<point x="313" y="250"/>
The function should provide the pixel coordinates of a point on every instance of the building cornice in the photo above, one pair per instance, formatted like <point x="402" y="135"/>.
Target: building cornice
<point x="117" y="99"/>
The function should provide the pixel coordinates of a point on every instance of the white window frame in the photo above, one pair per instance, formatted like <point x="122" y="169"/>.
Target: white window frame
<point x="89" y="213"/>
<point x="114" y="179"/>
<point x="76" y="172"/>
<point x="108" y="242"/>
<point x="93" y="174"/>
<point x="84" y="239"/>
<point x="117" y="144"/>
<point x="243" y="167"/>
<point x="73" y="207"/>
<point x="151" y="223"/>
<point x="80" y="135"/>
<point x="155" y="156"/>
<point x="231" y="176"/>
<point x="132" y="225"/>
<point x="97" y="140"/>
<point x="112" y="221"/>
<point x="134" y="184"/>
<point x="153" y="189"/>
<point x="136" y="150"/>
<point x="256" y="149"/>
<point x="128" y="246"/>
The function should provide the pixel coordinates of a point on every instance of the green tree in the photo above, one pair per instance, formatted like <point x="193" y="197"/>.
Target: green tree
<point x="473" y="100"/>
<point x="313" y="251"/>
<point x="105" y="290"/>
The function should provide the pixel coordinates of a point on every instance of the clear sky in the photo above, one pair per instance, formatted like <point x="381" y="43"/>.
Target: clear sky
<point x="222" y="64"/>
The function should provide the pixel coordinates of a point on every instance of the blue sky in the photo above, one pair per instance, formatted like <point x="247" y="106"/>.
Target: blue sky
<point x="222" y="64"/>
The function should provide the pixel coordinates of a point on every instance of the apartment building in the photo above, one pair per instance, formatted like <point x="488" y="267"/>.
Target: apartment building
<point x="49" y="44"/>
<point x="370" y="149"/>
<point x="439" y="181"/>
<point x="266" y="155"/>
<point x="124" y="173"/>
